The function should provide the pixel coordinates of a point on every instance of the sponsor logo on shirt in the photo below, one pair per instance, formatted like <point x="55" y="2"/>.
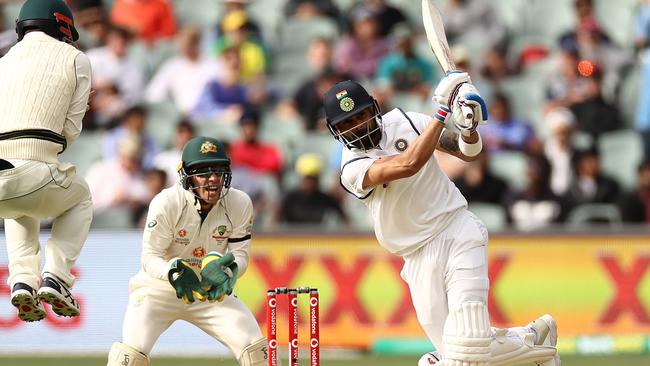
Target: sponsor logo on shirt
<point x="181" y="237"/>
<point x="199" y="252"/>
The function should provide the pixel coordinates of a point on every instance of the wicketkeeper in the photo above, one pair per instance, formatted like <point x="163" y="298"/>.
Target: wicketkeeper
<point x="196" y="244"/>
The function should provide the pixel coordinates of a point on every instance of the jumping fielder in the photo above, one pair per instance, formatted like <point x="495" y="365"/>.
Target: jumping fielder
<point x="44" y="95"/>
<point x="189" y="226"/>
<point x="420" y="215"/>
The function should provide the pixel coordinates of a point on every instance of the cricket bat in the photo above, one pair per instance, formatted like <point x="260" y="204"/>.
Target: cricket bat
<point x="437" y="38"/>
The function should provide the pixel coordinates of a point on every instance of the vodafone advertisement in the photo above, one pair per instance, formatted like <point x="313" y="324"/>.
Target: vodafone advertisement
<point x="594" y="286"/>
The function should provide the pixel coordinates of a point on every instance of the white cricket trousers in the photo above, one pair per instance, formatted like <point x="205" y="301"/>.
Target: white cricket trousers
<point x="151" y="310"/>
<point x="448" y="271"/>
<point x="35" y="190"/>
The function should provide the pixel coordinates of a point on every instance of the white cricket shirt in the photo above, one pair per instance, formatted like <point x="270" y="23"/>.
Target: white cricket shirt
<point x="174" y="230"/>
<point x="407" y="212"/>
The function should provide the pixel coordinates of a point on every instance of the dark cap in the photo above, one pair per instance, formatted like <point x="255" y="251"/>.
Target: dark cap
<point x="250" y="116"/>
<point x="344" y="100"/>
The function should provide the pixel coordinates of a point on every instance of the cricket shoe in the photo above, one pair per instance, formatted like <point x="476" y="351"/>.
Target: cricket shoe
<point x="24" y="298"/>
<point x="546" y="329"/>
<point x="54" y="292"/>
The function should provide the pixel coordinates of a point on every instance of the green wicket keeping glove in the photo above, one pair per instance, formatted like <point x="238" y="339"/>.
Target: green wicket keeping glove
<point x="185" y="281"/>
<point x="215" y="275"/>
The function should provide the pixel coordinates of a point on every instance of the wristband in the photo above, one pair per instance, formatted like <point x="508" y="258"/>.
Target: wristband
<point x="441" y="114"/>
<point x="470" y="150"/>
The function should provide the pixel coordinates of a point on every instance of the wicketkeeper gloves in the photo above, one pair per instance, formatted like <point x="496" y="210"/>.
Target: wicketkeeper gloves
<point x="218" y="275"/>
<point x="185" y="281"/>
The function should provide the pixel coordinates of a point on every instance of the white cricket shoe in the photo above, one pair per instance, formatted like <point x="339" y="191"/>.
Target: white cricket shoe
<point x="24" y="298"/>
<point x="54" y="292"/>
<point x="546" y="329"/>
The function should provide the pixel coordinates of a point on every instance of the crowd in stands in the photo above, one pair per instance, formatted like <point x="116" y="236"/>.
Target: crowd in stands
<point x="568" y="137"/>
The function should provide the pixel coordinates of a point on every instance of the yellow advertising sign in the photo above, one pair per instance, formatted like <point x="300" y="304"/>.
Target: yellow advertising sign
<point x="592" y="285"/>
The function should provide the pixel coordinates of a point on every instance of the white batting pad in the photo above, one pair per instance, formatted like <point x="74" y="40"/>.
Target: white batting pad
<point x="255" y="354"/>
<point x="124" y="355"/>
<point x="467" y="335"/>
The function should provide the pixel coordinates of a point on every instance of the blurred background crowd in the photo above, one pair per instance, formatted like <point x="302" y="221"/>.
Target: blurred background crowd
<point x="567" y="83"/>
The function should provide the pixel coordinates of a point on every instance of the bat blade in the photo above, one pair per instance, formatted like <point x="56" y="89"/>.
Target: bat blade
<point x="436" y="36"/>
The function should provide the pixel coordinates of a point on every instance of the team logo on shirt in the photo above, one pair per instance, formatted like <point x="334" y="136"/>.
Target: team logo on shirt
<point x="222" y="229"/>
<point x="401" y="144"/>
<point x="221" y="232"/>
<point x="208" y="147"/>
<point x="199" y="252"/>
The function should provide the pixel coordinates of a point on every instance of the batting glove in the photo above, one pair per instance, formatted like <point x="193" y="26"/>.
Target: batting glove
<point x="216" y="274"/>
<point x="468" y="108"/>
<point x="185" y="281"/>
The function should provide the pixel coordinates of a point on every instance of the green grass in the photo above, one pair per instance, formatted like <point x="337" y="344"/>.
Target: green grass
<point x="366" y="360"/>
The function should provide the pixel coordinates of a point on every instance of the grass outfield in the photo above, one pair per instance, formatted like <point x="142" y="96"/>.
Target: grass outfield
<point x="368" y="360"/>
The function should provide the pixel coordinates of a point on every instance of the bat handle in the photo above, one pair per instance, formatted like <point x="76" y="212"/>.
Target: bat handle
<point x="468" y="112"/>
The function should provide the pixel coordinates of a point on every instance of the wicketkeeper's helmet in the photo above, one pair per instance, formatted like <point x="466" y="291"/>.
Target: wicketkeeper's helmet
<point x="202" y="155"/>
<point x="345" y="100"/>
<point x="53" y="17"/>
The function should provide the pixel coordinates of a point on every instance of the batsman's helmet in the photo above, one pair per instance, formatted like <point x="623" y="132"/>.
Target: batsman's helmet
<point x="203" y="155"/>
<point x="346" y="100"/>
<point x="53" y="17"/>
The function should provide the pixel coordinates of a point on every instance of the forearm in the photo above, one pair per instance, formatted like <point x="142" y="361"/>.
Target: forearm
<point x="450" y="142"/>
<point x="416" y="155"/>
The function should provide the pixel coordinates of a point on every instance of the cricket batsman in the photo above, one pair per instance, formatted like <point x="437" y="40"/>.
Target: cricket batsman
<point x="44" y="90"/>
<point x="421" y="216"/>
<point x="195" y="245"/>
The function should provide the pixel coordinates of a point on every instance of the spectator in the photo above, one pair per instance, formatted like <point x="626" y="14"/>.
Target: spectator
<point x="506" y="132"/>
<point x="565" y="86"/>
<point x="236" y="35"/>
<point x="478" y="184"/>
<point x="495" y="66"/>
<point x="150" y="20"/>
<point x="635" y="206"/>
<point x="594" y="114"/>
<point x="196" y="71"/>
<point x="232" y="6"/>
<point x="225" y="96"/>
<point x="558" y="148"/>
<point x="358" y="53"/>
<point x="387" y="16"/>
<point x="305" y="9"/>
<point x="535" y="207"/>
<point x="474" y="19"/>
<point x="307" y="204"/>
<point x="590" y="185"/>
<point x="307" y="101"/>
<point x="133" y="123"/>
<point x="168" y="160"/>
<point x="119" y="182"/>
<point x="91" y="17"/>
<point x="156" y="180"/>
<point x="112" y="67"/>
<point x="403" y="70"/>
<point x="256" y="166"/>
<point x="251" y="154"/>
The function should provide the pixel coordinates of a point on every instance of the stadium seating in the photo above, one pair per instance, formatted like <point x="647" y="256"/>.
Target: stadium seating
<point x="199" y="12"/>
<point x="161" y="122"/>
<point x="511" y="166"/>
<point x="621" y="152"/>
<point x="492" y="215"/>
<point x="586" y="214"/>
<point x="84" y="152"/>
<point x="116" y="217"/>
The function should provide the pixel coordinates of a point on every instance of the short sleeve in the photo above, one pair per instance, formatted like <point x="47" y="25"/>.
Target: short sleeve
<point x="352" y="174"/>
<point x="419" y="121"/>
